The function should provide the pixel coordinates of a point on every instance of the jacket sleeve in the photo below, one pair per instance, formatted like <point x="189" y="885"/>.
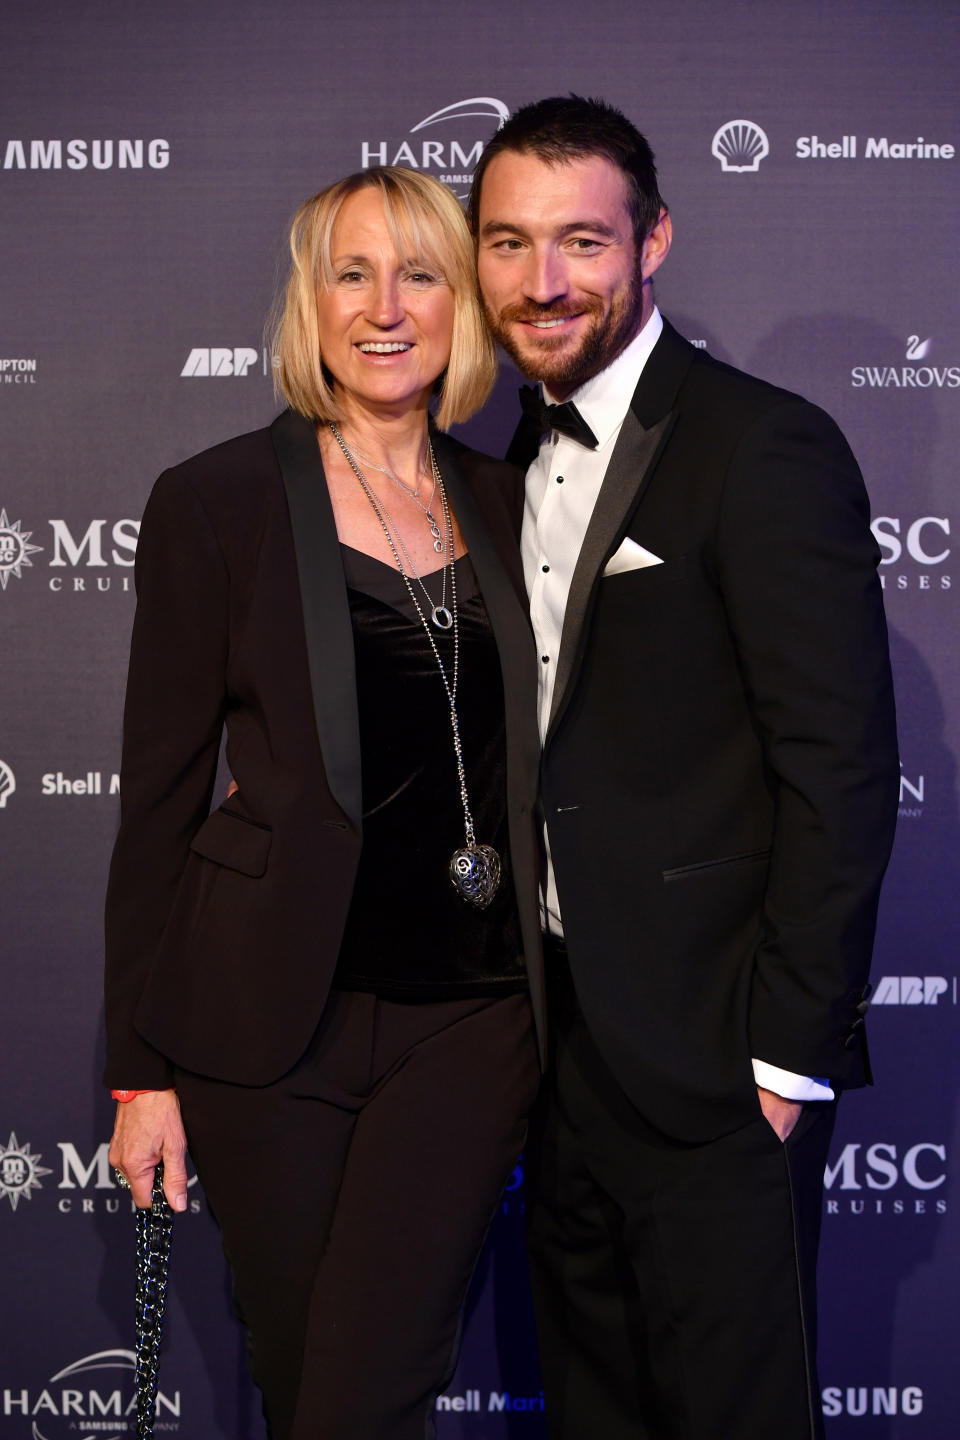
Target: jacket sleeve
<point x="798" y="574"/>
<point x="173" y="717"/>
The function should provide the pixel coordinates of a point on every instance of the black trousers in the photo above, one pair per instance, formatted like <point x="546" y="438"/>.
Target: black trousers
<point x="674" y="1284"/>
<point x="353" y="1198"/>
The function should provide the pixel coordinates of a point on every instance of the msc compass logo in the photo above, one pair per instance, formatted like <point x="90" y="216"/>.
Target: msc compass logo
<point x="15" y="549"/>
<point x="450" y="156"/>
<point x="740" y="145"/>
<point x="19" y="1171"/>
<point x="8" y="783"/>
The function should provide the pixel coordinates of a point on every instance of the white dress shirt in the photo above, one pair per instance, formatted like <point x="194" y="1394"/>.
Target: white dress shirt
<point x="563" y="484"/>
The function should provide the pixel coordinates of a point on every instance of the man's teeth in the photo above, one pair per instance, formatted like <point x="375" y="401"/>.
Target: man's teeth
<point x="550" y="324"/>
<point x="382" y="347"/>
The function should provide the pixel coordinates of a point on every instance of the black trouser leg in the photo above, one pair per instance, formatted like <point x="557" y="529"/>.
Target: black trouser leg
<point x="673" y="1284"/>
<point x="354" y="1196"/>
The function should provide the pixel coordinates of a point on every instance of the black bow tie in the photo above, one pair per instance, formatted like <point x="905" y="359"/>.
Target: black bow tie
<point x="565" y="418"/>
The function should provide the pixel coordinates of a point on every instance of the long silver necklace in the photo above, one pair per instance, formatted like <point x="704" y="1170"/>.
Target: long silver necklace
<point x="474" y="869"/>
<point x="439" y="614"/>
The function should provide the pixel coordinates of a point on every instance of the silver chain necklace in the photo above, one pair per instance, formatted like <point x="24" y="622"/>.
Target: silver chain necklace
<point x="422" y="472"/>
<point x="474" y="869"/>
<point x="413" y="495"/>
<point x="439" y="614"/>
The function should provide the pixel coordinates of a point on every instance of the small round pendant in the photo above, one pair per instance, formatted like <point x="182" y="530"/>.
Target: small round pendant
<point x="441" y="617"/>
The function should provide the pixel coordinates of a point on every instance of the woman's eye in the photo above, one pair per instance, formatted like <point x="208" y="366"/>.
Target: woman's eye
<point x="423" y="277"/>
<point x="350" y="276"/>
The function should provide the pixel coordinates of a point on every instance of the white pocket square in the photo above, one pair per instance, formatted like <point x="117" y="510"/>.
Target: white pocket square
<point x="630" y="556"/>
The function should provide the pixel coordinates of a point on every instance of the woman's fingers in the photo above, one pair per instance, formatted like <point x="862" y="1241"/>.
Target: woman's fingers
<point x="148" y="1128"/>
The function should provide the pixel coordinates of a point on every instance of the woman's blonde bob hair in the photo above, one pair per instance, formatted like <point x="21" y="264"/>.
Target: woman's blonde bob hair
<point x="426" y="224"/>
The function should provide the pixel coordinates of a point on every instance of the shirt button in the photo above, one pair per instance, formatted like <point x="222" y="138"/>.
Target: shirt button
<point x="559" y="479"/>
<point x="545" y="569"/>
<point x="545" y="659"/>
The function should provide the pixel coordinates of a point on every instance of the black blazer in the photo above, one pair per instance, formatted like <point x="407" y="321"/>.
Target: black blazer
<point x="223" y="929"/>
<point x="720" y="773"/>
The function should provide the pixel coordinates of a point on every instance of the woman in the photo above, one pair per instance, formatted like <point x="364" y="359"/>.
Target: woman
<point x="326" y="975"/>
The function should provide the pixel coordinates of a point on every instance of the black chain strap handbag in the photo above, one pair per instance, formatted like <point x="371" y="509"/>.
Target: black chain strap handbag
<point x="154" y="1234"/>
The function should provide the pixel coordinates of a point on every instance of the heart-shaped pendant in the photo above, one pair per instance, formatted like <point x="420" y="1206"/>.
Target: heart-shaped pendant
<point x="475" y="874"/>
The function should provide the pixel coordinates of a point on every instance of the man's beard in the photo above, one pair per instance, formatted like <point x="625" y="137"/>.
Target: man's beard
<point x="548" y="360"/>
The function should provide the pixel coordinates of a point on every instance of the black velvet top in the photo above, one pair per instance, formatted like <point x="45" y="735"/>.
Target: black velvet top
<point x="409" y="935"/>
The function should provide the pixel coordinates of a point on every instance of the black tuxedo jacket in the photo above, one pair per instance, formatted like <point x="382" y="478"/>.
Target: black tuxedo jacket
<point x="720" y="773"/>
<point x="223" y="928"/>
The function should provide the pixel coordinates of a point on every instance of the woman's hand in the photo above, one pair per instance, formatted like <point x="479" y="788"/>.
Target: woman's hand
<point x="148" y="1128"/>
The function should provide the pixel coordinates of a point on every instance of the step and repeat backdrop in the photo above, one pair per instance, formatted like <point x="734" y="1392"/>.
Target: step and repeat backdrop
<point x="150" y="159"/>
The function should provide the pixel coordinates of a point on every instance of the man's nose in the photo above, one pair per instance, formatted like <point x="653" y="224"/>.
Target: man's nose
<point x="545" y="277"/>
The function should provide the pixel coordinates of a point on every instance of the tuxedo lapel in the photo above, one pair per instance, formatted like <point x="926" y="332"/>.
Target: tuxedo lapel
<point x="630" y="464"/>
<point x="326" y="609"/>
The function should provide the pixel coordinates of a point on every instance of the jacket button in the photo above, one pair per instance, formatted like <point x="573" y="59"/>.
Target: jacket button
<point x="851" y="1041"/>
<point x="866" y="992"/>
<point x="863" y="1007"/>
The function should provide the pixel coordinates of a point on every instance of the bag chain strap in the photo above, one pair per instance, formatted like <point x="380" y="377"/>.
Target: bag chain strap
<point x="154" y="1233"/>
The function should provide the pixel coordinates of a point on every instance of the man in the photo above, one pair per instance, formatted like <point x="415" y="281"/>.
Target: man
<point x="718" y="795"/>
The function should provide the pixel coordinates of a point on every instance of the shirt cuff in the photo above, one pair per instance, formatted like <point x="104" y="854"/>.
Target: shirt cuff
<point x="790" y="1086"/>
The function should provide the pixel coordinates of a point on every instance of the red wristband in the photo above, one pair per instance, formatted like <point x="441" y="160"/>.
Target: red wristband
<point x="124" y="1095"/>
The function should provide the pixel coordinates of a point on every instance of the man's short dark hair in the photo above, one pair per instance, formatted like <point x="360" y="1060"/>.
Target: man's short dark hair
<point x="571" y="127"/>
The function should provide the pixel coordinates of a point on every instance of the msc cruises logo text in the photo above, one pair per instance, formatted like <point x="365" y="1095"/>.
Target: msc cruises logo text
<point x="887" y="1179"/>
<point x="100" y="547"/>
<point x="919" y="547"/>
<point x="449" y="152"/>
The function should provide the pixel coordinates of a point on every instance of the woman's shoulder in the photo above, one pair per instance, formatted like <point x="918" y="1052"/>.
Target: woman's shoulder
<point x="242" y="462"/>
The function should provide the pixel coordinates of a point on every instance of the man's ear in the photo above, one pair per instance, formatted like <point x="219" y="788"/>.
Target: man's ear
<point x="656" y="246"/>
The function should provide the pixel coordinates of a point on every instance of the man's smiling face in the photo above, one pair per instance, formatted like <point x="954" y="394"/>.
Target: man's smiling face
<point x="557" y="258"/>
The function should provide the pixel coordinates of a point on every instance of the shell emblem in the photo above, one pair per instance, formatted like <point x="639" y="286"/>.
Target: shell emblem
<point x="740" y="145"/>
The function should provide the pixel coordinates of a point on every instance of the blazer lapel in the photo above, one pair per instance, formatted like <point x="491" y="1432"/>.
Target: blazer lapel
<point x="643" y="435"/>
<point x="326" y="609"/>
<point x="630" y="464"/>
<point x="504" y="600"/>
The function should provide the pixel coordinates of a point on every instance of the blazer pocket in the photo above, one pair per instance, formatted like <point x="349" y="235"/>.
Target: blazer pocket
<point x="748" y="857"/>
<point x="230" y="839"/>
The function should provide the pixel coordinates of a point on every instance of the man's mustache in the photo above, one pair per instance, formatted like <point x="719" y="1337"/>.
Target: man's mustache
<point x="526" y="312"/>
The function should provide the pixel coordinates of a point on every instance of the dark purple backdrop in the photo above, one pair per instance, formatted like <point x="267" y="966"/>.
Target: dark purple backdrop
<point x="150" y="157"/>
